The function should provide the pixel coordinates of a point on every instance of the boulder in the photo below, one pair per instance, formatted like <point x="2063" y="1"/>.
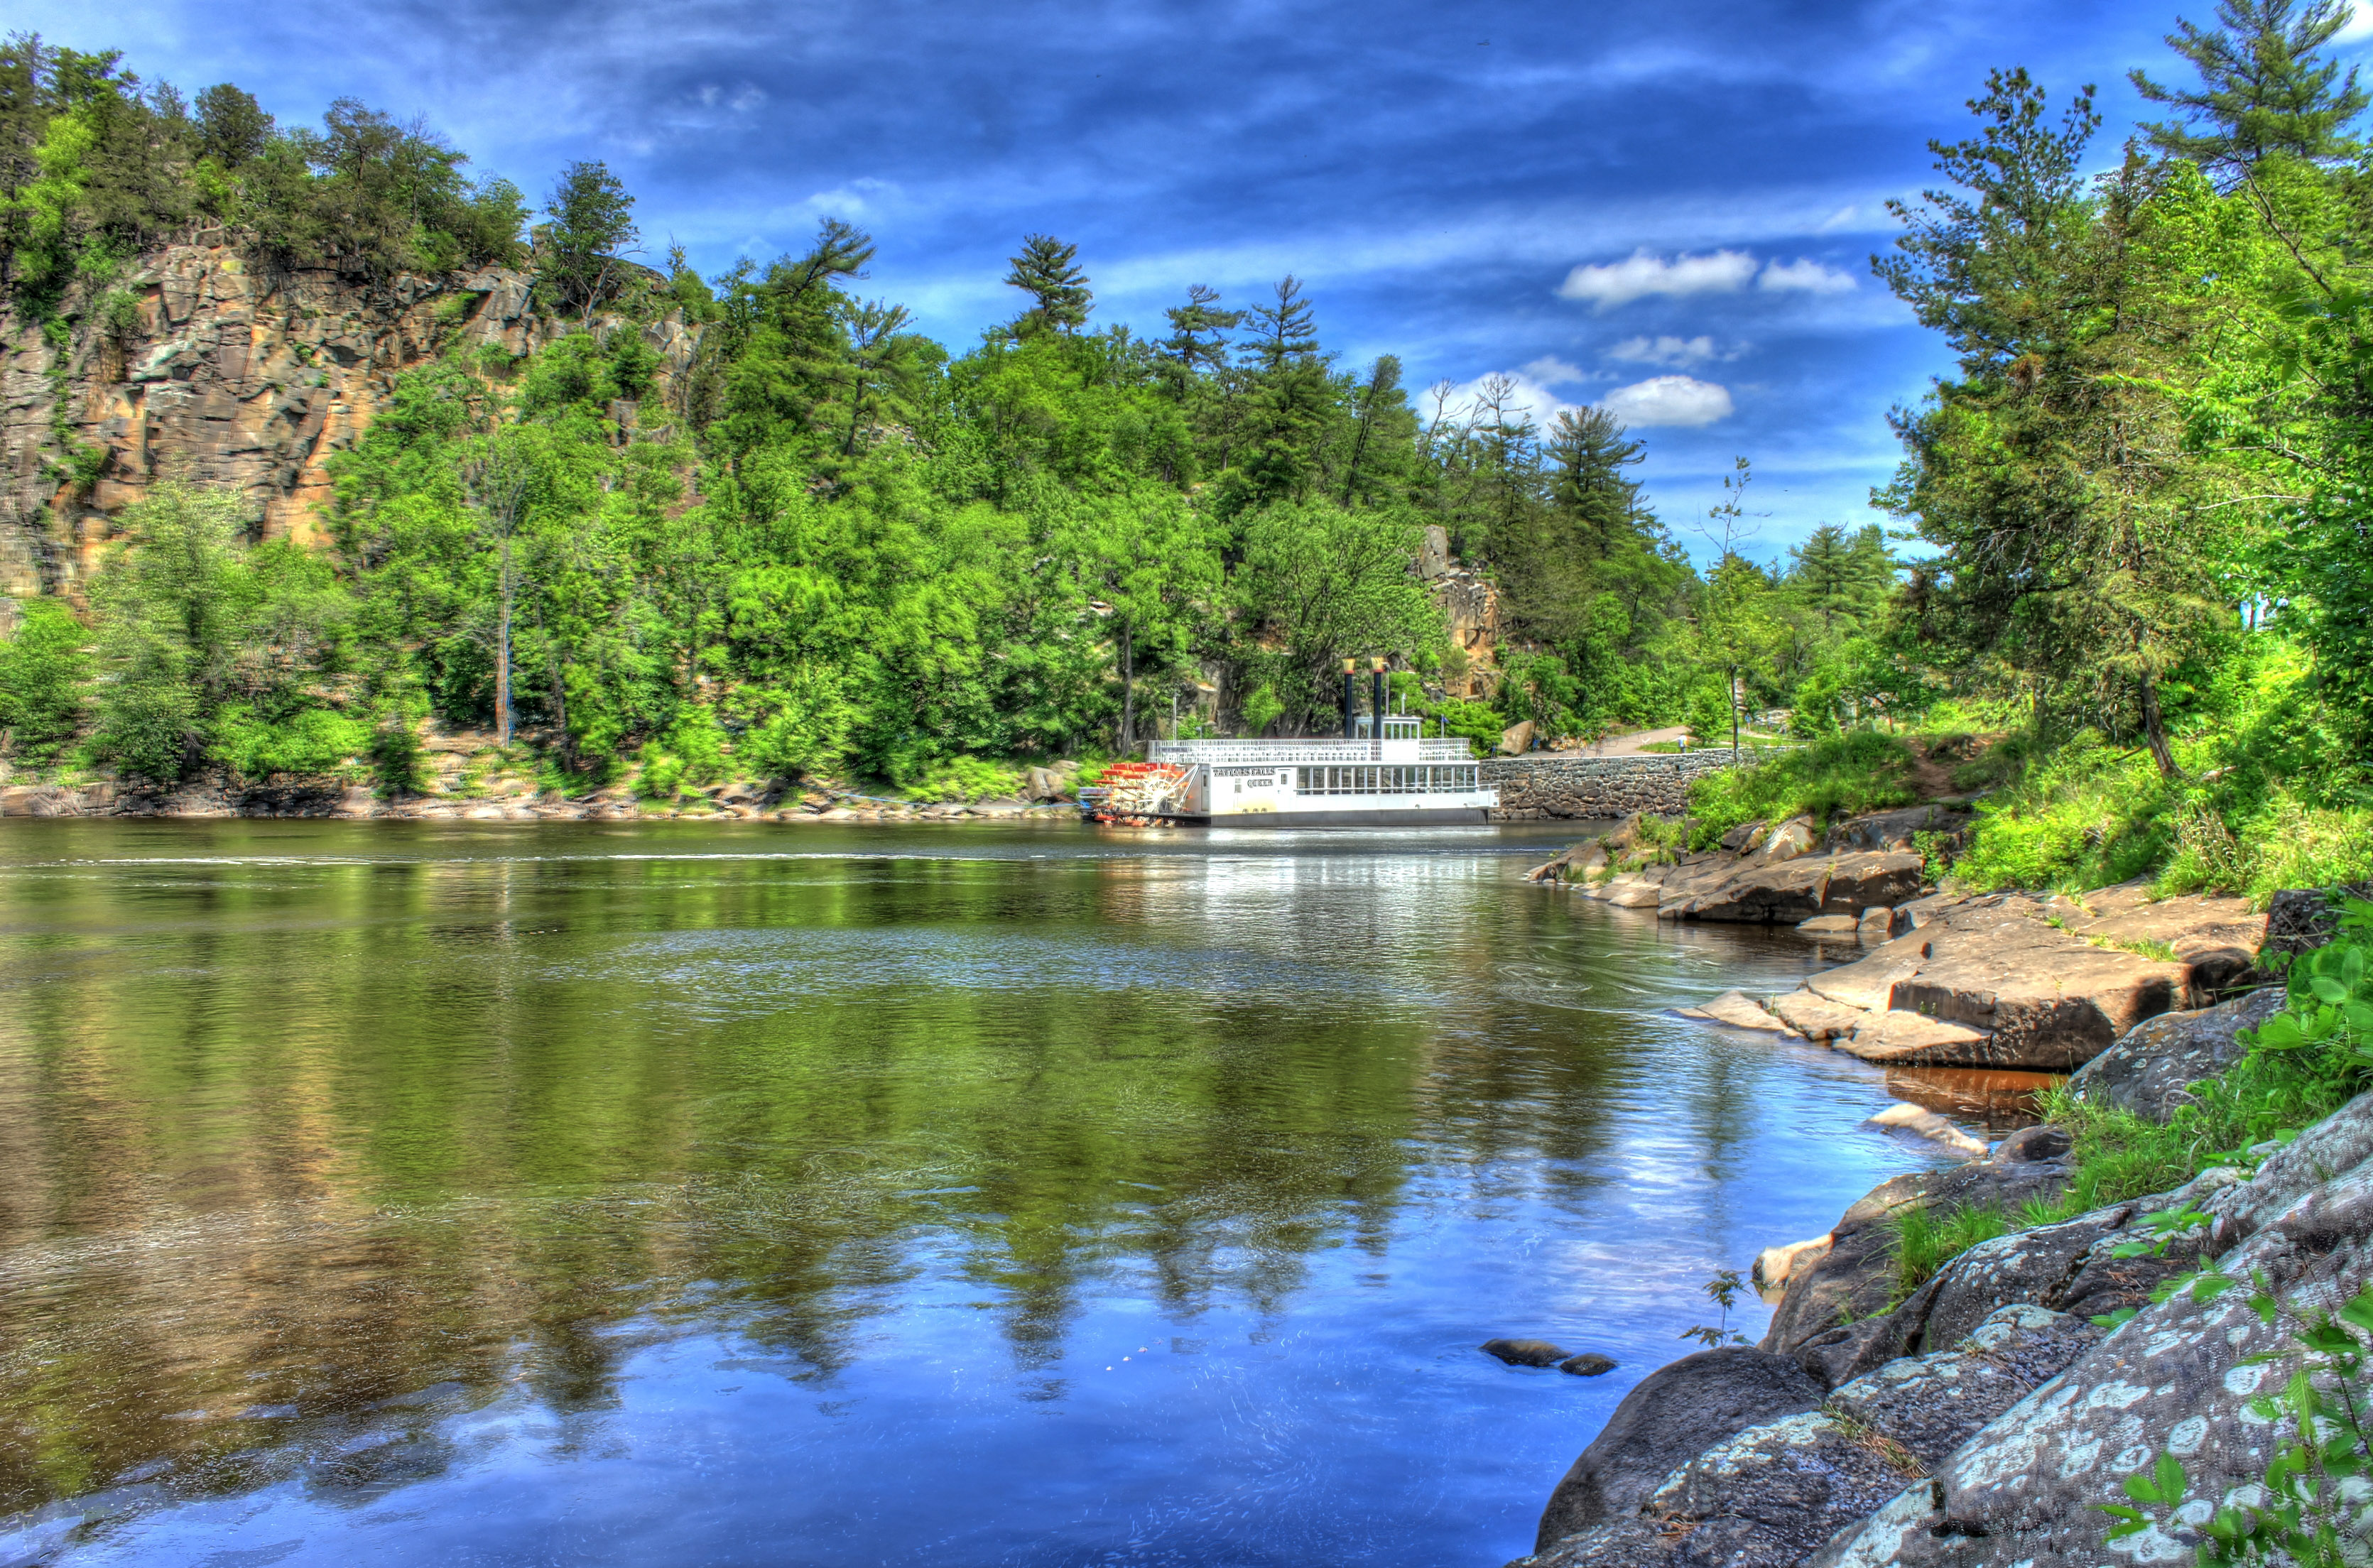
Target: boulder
<point x="1517" y="738"/>
<point x="1674" y="1414"/>
<point x="2302" y="920"/>
<point x="1894" y="830"/>
<point x="1769" y="892"/>
<point x="1590" y="1363"/>
<point x="1789" y="840"/>
<point x="1841" y="1315"/>
<point x="1744" y="837"/>
<point x="1877" y="925"/>
<point x="1929" y="1405"/>
<point x="2151" y="1067"/>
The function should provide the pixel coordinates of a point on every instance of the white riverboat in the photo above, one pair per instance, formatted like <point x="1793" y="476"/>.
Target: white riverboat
<point x="1397" y="780"/>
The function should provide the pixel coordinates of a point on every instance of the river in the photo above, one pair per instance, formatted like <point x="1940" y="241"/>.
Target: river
<point x="956" y="1194"/>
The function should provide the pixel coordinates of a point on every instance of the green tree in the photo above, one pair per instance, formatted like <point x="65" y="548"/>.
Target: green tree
<point x="44" y="680"/>
<point x="591" y="230"/>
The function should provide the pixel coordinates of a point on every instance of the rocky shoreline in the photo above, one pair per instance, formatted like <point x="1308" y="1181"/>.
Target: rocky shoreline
<point x="2041" y="982"/>
<point x="1981" y="1421"/>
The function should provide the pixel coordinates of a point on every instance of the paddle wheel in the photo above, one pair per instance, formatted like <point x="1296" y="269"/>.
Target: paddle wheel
<point x="1139" y="794"/>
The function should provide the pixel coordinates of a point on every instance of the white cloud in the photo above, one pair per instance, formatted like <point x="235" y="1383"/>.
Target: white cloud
<point x="1644" y="272"/>
<point x="1549" y="370"/>
<point x="2358" y="24"/>
<point x="1809" y="275"/>
<point x="1669" y="400"/>
<point x="1680" y="352"/>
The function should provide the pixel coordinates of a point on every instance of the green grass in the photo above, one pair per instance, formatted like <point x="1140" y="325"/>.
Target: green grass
<point x="1927" y="1239"/>
<point x="1841" y="776"/>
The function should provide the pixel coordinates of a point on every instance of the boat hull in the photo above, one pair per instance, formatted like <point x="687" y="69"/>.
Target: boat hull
<point x="1381" y="816"/>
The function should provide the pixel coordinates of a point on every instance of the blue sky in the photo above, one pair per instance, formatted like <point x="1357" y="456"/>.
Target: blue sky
<point x="1667" y="209"/>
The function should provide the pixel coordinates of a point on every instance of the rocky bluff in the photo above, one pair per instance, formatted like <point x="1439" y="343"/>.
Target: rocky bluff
<point x="237" y="374"/>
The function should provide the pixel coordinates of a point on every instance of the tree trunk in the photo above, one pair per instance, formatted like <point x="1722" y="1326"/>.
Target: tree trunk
<point x="2155" y="732"/>
<point x="1128" y="688"/>
<point x="503" y="654"/>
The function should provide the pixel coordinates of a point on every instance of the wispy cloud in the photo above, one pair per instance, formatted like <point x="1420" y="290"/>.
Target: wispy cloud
<point x="1810" y="277"/>
<point x="1680" y="352"/>
<point x="1549" y="370"/>
<point x="1669" y="400"/>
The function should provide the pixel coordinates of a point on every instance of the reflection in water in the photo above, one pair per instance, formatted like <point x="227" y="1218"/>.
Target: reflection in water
<point x="983" y="1194"/>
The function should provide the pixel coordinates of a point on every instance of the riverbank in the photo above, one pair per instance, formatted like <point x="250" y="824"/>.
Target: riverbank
<point x="1967" y="1367"/>
<point x="728" y="803"/>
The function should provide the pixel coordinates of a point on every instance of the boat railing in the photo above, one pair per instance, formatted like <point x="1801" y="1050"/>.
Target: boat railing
<point x="1287" y="753"/>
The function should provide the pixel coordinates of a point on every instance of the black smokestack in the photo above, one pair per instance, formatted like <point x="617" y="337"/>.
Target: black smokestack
<point x="1378" y="729"/>
<point x="1351" y="692"/>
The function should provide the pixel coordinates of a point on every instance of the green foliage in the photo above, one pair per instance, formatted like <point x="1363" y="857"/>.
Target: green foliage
<point x="44" y="683"/>
<point x="1843" y="775"/>
<point x="691" y="751"/>
<point x="1723" y="1291"/>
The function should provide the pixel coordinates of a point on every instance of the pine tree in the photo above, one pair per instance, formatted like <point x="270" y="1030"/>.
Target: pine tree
<point x="1286" y="331"/>
<point x="2263" y="91"/>
<point x="1047" y="271"/>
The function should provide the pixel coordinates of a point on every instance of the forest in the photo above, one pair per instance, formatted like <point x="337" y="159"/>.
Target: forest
<point x="2124" y="567"/>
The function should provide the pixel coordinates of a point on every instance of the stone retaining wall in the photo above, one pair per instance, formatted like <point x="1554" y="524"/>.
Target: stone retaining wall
<point x="1531" y="788"/>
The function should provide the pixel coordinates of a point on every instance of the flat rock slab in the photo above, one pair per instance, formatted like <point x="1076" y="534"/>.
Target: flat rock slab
<point x="2028" y="979"/>
<point x="1739" y="1012"/>
<point x="1915" y="1039"/>
<point x="1813" y="1015"/>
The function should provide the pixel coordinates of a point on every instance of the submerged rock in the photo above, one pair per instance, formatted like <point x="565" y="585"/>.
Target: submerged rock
<point x="1524" y="1353"/>
<point x="1590" y="1363"/>
<point x="1738" y="1010"/>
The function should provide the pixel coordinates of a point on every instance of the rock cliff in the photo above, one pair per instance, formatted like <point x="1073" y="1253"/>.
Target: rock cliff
<point x="235" y="374"/>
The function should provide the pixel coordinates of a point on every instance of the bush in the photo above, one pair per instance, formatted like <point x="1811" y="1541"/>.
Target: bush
<point x="1842" y="775"/>
<point x="44" y="669"/>
<point x="965" y="779"/>
<point x="692" y="752"/>
<point x="311" y="742"/>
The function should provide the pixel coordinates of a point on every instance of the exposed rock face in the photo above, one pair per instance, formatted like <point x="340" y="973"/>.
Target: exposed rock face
<point x="238" y="376"/>
<point x="2148" y="1069"/>
<point x="1896" y="829"/>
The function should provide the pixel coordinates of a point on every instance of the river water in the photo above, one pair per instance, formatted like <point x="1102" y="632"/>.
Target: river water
<point x="952" y="1194"/>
